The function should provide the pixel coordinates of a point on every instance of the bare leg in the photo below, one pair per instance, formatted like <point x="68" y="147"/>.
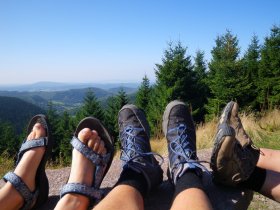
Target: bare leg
<point x="82" y="171"/>
<point x="269" y="159"/>
<point x="192" y="198"/>
<point x="26" y="169"/>
<point x="271" y="186"/>
<point x="122" y="197"/>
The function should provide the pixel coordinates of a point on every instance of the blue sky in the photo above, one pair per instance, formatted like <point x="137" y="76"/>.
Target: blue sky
<point x="116" y="41"/>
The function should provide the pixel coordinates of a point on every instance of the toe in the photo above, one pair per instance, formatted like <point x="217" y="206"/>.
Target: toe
<point x="31" y="135"/>
<point x="84" y="135"/>
<point x="96" y="144"/>
<point x="101" y="147"/>
<point x="92" y="140"/>
<point x="91" y="143"/>
<point x="39" y="130"/>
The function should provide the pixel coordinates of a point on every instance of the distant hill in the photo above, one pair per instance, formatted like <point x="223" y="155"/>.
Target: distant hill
<point x="68" y="100"/>
<point x="128" y="90"/>
<point x="17" y="112"/>
<point x="56" y="86"/>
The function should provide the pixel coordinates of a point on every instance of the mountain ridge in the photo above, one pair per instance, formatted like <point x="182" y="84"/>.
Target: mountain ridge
<point x="65" y="100"/>
<point x="17" y="111"/>
<point x="60" y="86"/>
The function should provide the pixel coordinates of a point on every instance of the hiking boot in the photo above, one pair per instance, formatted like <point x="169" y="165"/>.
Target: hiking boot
<point x="179" y="130"/>
<point x="135" y="145"/>
<point x="234" y="156"/>
<point x="230" y="117"/>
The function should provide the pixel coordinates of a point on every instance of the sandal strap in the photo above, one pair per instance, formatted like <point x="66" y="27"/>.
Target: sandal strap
<point x="27" y="145"/>
<point x="30" y="144"/>
<point x="22" y="188"/>
<point x="95" y="158"/>
<point x="81" y="189"/>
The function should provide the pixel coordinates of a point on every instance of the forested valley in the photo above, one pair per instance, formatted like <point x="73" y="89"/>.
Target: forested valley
<point x="251" y="78"/>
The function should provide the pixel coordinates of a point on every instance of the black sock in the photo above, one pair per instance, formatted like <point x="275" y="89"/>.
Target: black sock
<point x="256" y="180"/>
<point x="189" y="180"/>
<point x="134" y="179"/>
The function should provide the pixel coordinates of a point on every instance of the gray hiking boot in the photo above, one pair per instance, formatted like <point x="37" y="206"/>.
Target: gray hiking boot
<point x="179" y="130"/>
<point x="135" y="145"/>
<point x="230" y="117"/>
<point x="234" y="156"/>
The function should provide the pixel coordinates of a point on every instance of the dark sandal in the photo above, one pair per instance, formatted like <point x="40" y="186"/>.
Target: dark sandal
<point x="102" y="162"/>
<point x="40" y="195"/>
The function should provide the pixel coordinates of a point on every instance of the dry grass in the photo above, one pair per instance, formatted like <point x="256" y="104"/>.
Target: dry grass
<point x="6" y="163"/>
<point x="252" y="127"/>
<point x="205" y="134"/>
<point x="159" y="146"/>
<point x="271" y="121"/>
<point x="264" y="130"/>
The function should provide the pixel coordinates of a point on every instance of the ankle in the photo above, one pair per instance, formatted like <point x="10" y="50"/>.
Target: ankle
<point x="73" y="201"/>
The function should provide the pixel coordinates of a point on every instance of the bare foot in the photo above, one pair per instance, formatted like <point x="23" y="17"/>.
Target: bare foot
<point x="82" y="170"/>
<point x="26" y="170"/>
<point x="27" y="167"/>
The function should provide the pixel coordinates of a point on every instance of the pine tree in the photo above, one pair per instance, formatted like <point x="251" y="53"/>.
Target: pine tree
<point x="202" y="89"/>
<point x="175" y="79"/>
<point x="53" y="119"/>
<point x="91" y="107"/>
<point x="65" y="132"/>
<point x="122" y="98"/>
<point x="111" y="116"/>
<point x="225" y="74"/>
<point x="8" y="139"/>
<point x="251" y="62"/>
<point x="143" y="94"/>
<point x="269" y="72"/>
<point x="175" y="74"/>
<point x="114" y="104"/>
<point x="154" y="115"/>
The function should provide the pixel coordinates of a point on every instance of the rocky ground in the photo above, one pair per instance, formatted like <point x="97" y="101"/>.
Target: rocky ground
<point x="222" y="198"/>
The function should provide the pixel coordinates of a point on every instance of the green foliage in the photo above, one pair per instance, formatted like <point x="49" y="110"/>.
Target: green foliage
<point x="111" y="116"/>
<point x="65" y="129"/>
<point x="91" y="107"/>
<point x="53" y="119"/>
<point x="17" y="112"/>
<point x="122" y="98"/>
<point x="8" y="139"/>
<point x="202" y="89"/>
<point x="251" y="62"/>
<point x="143" y="94"/>
<point x="155" y="111"/>
<point x="175" y="75"/>
<point x="114" y="104"/>
<point x="226" y="74"/>
<point x="269" y="72"/>
<point x="176" y="79"/>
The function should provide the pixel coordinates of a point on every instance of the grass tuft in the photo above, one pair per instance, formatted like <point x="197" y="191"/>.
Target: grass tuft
<point x="6" y="163"/>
